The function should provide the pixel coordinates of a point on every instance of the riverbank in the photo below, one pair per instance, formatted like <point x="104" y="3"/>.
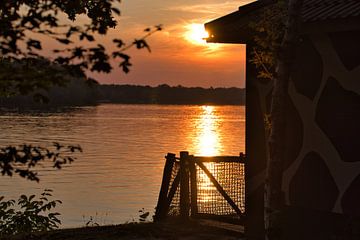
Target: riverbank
<point x="77" y="93"/>
<point x="174" y="230"/>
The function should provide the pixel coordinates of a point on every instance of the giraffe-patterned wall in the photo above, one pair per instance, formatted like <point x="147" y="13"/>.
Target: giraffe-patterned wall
<point x="325" y="91"/>
<point x="322" y="168"/>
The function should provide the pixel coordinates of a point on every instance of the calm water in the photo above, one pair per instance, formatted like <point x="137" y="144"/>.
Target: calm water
<point x="124" y="146"/>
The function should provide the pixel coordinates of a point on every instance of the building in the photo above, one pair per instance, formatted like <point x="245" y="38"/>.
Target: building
<point x="321" y="182"/>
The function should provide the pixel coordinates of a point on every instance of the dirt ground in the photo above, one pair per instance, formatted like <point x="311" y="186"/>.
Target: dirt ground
<point x="138" y="231"/>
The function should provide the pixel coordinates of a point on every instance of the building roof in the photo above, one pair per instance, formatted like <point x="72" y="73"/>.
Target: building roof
<point x="319" y="10"/>
<point x="233" y="28"/>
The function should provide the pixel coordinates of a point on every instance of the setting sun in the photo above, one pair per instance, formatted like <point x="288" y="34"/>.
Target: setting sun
<point x="196" y="34"/>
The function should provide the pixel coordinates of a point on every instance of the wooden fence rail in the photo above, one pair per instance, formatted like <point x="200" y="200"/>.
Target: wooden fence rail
<point x="186" y="178"/>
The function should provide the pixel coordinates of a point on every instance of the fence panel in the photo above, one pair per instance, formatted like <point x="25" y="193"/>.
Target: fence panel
<point x="213" y="187"/>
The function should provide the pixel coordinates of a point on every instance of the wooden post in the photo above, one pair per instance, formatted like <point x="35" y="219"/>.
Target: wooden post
<point x="193" y="184"/>
<point x="162" y="208"/>
<point x="173" y="189"/>
<point x="242" y="157"/>
<point x="184" y="185"/>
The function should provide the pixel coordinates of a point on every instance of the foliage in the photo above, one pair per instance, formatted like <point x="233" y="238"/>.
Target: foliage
<point x="273" y="57"/>
<point x="24" y="69"/>
<point x="78" y="93"/>
<point x="41" y="74"/>
<point x="25" y="24"/>
<point x="165" y="94"/>
<point x="269" y="32"/>
<point x="92" y="222"/>
<point x="143" y="215"/>
<point x="96" y="220"/>
<point x="21" y="160"/>
<point x="30" y="216"/>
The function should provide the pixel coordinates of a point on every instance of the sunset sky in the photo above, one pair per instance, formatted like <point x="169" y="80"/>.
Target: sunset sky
<point x="177" y="56"/>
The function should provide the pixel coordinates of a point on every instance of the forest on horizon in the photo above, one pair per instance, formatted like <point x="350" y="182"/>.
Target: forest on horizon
<point x="79" y="93"/>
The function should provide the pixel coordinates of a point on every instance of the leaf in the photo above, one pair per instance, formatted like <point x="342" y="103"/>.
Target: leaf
<point x="116" y="10"/>
<point x="23" y="198"/>
<point x="141" y="43"/>
<point x="31" y="43"/>
<point x="62" y="60"/>
<point x="31" y="197"/>
<point x="88" y="37"/>
<point x="159" y="27"/>
<point x="78" y="52"/>
<point x="71" y="31"/>
<point x="119" y="43"/>
<point x="121" y="55"/>
<point x="64" y="41"/>
<point x="125" y="66"/>
<point x="145" y="215"/>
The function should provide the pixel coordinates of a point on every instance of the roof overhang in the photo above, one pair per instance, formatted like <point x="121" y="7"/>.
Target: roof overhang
<point x="318" y="16"/>
<point x="234" y="27"/>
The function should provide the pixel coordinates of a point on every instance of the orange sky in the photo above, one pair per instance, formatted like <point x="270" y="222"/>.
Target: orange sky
<point x="177" y="58"/>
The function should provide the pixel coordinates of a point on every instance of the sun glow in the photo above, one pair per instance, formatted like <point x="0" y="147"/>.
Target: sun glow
<point x="196" y="34"/>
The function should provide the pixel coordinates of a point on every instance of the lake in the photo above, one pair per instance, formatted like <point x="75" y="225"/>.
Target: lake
<point x="124" y="146"/>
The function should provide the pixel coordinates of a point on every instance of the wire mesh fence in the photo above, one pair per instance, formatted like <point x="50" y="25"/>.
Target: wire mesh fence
<point x="230" y="176"/>
<point x="175" y="203"/>
<point x="216" y="187"/>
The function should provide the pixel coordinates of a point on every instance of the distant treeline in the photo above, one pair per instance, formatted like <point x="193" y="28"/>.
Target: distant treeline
<point x="78" y="93"/>
<point x="164" y="94"/>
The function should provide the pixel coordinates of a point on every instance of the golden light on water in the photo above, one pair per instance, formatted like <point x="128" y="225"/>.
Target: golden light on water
<point x="208" y="143"/>
<point x="206" y="186"/>
<point x="208" y="139"/>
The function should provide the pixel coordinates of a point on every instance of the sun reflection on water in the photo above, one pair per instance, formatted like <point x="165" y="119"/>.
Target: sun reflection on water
<point x="208" y="138"/>
<point x="208" y="144"/>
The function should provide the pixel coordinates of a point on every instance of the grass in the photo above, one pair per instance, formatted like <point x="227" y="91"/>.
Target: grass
<point x="171" y="230"/>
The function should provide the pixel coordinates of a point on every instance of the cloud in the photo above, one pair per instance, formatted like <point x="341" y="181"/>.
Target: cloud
<point x="175" y="60"/>
<point x="210" y="8"/>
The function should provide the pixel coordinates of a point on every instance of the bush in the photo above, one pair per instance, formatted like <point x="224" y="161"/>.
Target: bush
<point x="30" y="215"/>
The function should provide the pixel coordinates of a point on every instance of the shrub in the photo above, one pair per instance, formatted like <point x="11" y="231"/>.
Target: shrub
<point x="30" y="215"/>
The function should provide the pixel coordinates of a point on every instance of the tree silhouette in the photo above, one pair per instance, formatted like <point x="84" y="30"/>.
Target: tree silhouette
<point x="21" y="160"/>
<point x="24" y="68"/>
<point x="278" y="35"/>
<point x="23" y="23"/>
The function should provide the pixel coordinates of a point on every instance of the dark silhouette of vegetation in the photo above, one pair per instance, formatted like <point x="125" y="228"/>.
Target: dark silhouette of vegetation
<point x="76" y="93"/>
<point x="43" y="18"/>
<point x="31" y="214"/>
<point x="26" y="22"/>
<point x="274" y="54"/>
<point x="48" y="83"/>
<point x="79" y="93"/>
<point x="174" y="229"/>
<point x="24" y="70"/>
<point x="21" y="160"/>
<point x="164" y="94"/>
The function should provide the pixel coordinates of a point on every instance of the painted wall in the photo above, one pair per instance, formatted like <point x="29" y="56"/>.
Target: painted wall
<point x="322" y="169"/>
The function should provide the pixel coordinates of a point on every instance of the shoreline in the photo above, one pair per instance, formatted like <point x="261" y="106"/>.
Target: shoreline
<point x="173" y="229"/>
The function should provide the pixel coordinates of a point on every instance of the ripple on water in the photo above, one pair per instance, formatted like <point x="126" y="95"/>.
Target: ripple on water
<point x="124" y="146"/>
